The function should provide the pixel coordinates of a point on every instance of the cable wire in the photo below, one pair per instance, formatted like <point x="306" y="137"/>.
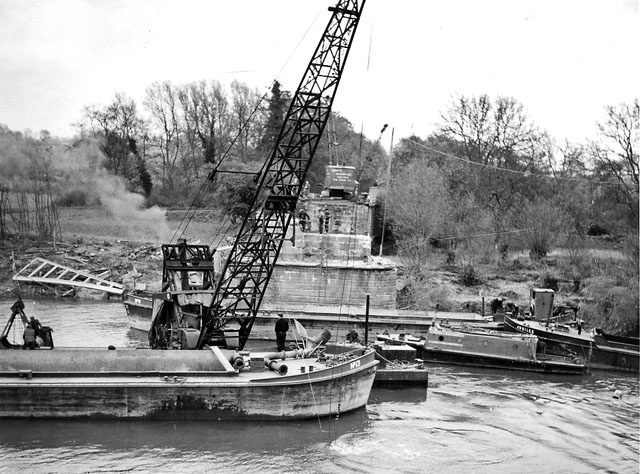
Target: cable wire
<point x="507" y="170"/>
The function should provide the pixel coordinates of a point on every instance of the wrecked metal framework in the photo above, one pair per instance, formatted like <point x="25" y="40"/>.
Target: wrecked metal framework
<point x="181" y="259"/>
<point x="252" y="258"/>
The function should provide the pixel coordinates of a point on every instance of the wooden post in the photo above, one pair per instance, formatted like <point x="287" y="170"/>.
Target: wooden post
<point x="366" y="321"/>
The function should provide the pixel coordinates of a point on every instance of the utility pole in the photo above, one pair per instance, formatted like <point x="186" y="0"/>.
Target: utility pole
<point x="388" y="186"/>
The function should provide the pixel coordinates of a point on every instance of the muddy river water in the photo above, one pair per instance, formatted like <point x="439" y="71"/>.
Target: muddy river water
<point x="467" y="421"/>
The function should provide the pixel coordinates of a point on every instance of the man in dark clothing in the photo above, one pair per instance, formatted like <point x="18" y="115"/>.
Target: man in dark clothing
<point x="35" y="324"/>
<point x="304" y="220"/>
<point x="327" y="220"/>
<point x="496" y="305"/>
<point x="29" y="338"/>
<point x="282" y="326"/>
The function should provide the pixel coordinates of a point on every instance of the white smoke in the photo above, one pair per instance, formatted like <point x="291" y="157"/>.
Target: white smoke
<point x="128" y="209"/>
<point x="82" y="168"/>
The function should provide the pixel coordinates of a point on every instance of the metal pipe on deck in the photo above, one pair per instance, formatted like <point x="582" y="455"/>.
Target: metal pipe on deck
<point x="274" y="360"/>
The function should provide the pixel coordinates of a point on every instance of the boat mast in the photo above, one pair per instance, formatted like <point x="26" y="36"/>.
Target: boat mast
<point x="251" y="261"/>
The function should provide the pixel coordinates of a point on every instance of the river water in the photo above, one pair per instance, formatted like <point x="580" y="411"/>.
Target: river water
<point x="467" y="421"/>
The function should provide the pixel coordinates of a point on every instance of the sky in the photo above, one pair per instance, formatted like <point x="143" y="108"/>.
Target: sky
<point x="564" y="60"/>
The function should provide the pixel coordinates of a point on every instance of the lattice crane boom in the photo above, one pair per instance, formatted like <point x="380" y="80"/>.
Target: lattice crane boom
<point x="252" y="259"/>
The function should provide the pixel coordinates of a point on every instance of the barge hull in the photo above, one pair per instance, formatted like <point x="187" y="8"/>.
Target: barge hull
<point x="476" y="360"/>
<point x="248" y="394"/>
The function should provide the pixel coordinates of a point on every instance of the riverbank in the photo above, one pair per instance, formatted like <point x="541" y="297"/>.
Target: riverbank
<point x="96" y="241"/>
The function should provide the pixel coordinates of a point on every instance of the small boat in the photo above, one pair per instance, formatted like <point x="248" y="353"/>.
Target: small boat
<point x="12" y="336"/>
<point x="603" y="351"/>
<point x="138" y="305"/>
<point x="208" y="384"/>
<point x="562" y="333"/>
<point x="486" y="348"/>
<point x="399" y="367"/>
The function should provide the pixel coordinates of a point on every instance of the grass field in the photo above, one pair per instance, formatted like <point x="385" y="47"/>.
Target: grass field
<point x="144" y="226"/>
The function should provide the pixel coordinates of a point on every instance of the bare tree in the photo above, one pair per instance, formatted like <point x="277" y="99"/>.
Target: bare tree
<point x="205" y="111"/>
<point x="118" y="127"/>
<point x="497" y="137"/>
<point x="616" y="151"/>
<point x="490" y="131"/>
<point x="418" y="207"/>
<point x="162" y="102"/>
<point x="247" y="117"/>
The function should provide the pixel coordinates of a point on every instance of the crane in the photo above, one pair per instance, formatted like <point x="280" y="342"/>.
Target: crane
<point x="252" y="258"/>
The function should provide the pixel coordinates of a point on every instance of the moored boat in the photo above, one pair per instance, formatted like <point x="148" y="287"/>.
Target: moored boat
<point x="213" y="384"/>
<point x="489" y="349"/>
<point x="566" y="334"/>
<point x="603" y="352"/>
<point x="138" y="305"/>
<point x="14" y="334"/>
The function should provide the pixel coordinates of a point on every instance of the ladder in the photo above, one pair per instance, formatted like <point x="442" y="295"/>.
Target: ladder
<point x="46" y="272"/>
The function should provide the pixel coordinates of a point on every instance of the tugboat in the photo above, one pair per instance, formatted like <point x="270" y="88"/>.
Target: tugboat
<point x="602" y="351"/>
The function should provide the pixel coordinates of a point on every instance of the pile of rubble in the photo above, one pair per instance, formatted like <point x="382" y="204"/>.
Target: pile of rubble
<point x="122" y="262"/>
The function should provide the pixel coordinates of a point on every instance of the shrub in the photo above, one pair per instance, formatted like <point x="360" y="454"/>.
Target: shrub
<point x="503" y="250"/>
<point x="610" y="307"/>
<point x="163" y="197"/>
<point x="596" y="229"/>
<point x="550" y="281"/>
<point x="576" y="249"/>
<point x="631" y="250"/>
<point x="469" y="276"/>
<point x="73" y="198"/>
<point x="544" y="222"/>
<point x="419" y="294"/>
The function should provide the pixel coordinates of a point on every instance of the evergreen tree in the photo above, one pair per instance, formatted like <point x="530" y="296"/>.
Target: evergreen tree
<point x="144" y="176"/>
<point x="277" y="109"/>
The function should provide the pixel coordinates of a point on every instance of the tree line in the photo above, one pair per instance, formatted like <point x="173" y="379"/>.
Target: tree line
<point x="489" y="167"/>
<point x="193" y="128"/>
<point x="489" y="181"/>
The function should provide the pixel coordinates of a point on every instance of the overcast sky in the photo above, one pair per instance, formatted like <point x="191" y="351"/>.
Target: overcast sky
<point x="564" y="60"/>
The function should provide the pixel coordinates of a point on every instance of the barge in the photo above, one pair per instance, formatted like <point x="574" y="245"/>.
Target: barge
<point x="208" y="384"/>
<point x="487" y="349"/>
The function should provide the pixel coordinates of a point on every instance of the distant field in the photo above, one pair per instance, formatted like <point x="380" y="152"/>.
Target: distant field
<point x="602" y="253"/>
<point x="145" y="226"/>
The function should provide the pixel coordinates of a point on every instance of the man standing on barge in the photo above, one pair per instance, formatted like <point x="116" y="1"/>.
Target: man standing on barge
<point x="282" y="326"/>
